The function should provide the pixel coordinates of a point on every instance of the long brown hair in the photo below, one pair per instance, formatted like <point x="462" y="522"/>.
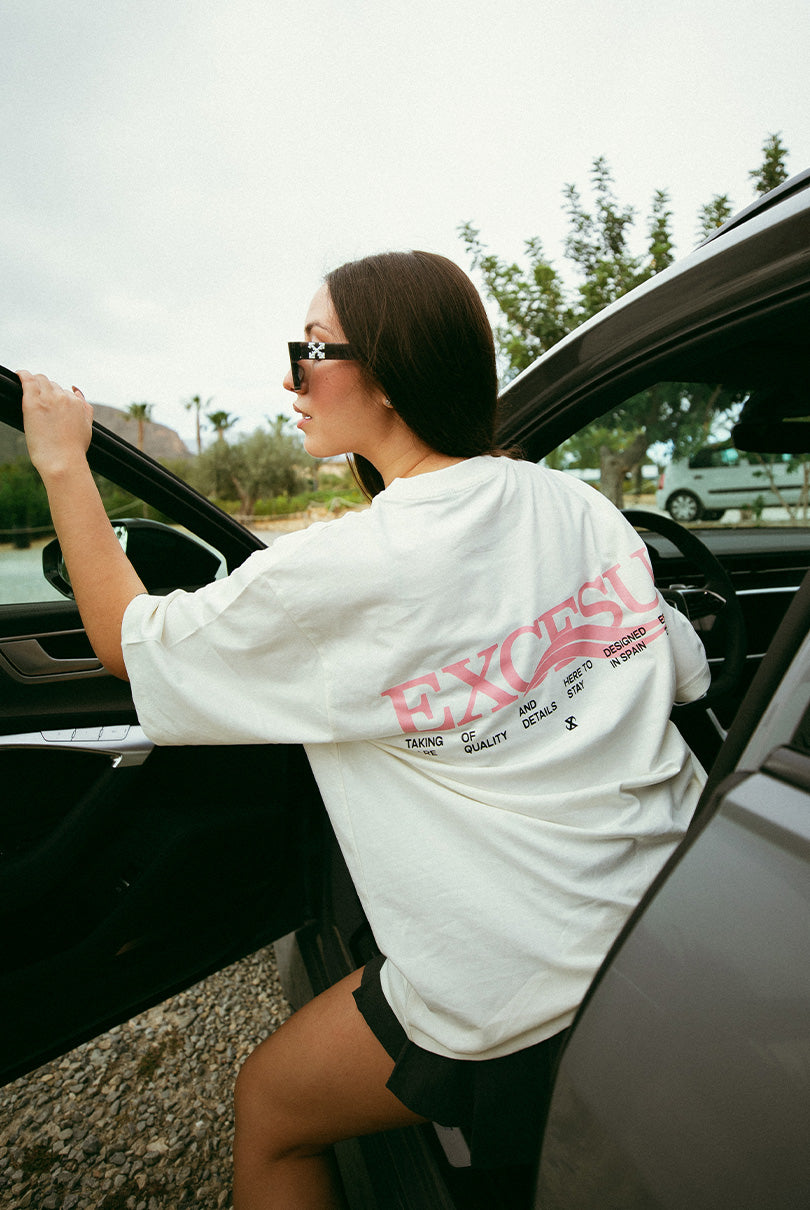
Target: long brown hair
<point x="418" y="327"/>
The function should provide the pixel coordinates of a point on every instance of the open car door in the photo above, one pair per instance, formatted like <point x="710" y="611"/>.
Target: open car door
<point x="127" y="872"/>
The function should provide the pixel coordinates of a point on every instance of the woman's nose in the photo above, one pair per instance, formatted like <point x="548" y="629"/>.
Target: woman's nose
<point x="288" y="383"/>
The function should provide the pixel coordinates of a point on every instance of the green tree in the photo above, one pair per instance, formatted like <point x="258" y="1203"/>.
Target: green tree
<point x="142" y="413"/>
<point x="531" y="300"/>
<point x="597" y="242"/>
<point x="773" y="170"/>
<point x="538" y="307"/>
<point x="221" y="422"/>
<point x="660" y="246"/>
<point x="581" y="451"/>
<point x="263" y="464"/>
<point x="713" y="215"/>
<point x="196" y="405"/>
<point x="23" y="503"/>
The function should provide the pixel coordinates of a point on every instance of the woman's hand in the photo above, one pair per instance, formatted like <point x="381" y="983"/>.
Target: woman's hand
<point x="58" y="424"/>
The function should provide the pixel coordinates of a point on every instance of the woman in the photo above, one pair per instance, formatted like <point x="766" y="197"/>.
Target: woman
<point x="482" y="673"/>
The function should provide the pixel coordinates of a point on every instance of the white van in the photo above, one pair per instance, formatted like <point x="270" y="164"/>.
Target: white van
<point x="720" y="477"/>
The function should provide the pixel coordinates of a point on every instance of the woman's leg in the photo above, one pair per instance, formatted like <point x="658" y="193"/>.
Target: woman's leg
<point x="318" y="1079"/>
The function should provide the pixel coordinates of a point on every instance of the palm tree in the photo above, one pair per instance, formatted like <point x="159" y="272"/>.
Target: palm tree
<point x="196" y="405"/>
<point x="221" y="422"/>
<point x="142" y="412"/>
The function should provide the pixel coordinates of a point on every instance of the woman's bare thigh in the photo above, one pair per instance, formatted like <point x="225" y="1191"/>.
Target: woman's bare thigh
<point x="318" y="1079"/>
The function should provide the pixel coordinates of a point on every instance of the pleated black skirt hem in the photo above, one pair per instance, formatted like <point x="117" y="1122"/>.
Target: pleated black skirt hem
<point x="500" y="1104"/>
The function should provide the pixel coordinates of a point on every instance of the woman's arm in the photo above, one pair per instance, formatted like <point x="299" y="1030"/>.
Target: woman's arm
<point x="58" y="427"/>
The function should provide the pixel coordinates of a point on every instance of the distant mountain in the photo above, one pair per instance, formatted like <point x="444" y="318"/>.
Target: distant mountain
<point x="159" y="441"/>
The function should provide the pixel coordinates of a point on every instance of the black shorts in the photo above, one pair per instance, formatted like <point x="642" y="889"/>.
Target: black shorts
<point x="501" y="1104"/>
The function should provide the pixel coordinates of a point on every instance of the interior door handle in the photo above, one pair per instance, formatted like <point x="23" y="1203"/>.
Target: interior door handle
<point x="29" y="660"/>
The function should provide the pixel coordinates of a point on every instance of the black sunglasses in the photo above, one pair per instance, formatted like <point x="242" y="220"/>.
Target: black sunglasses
<point x="314" y="350"/>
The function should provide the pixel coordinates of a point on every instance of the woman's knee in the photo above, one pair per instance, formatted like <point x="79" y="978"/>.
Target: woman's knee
<point x="262" y="1083"/>
<point x="257" y="1069"/>
<point x="265" y="1110"/>
<point x="275" y="1106"/>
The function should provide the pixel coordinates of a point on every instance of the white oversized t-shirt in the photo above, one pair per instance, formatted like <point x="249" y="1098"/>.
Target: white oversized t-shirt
<point x="482" y="672"/>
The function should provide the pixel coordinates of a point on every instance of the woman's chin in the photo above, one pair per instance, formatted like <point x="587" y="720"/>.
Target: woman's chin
<point x="323" y="449"/>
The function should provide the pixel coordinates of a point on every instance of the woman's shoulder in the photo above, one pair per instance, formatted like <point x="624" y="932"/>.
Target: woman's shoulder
<point x="315" y="540"/>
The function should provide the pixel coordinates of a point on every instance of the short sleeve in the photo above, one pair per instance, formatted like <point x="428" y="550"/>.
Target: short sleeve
<point x="692" y="673"/>
<point x="227" y="664"/>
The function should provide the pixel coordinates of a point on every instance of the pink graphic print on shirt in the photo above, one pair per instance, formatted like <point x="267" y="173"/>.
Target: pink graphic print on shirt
<point x="529" y="653"/>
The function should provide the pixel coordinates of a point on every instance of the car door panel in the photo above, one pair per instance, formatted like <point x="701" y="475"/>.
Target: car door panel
<point x="49" y="675"/>
<point x="140" y="880"/>
<point x="128" y="871"/>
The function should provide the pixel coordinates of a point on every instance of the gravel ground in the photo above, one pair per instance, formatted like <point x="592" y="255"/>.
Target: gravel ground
<point x="141" y="1118"/>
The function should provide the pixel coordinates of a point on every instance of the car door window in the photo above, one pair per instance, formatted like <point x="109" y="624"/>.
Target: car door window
<point x="26" y="526"/>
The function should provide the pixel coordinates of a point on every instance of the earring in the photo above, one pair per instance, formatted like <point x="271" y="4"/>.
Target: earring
<point x="387" y="403"/>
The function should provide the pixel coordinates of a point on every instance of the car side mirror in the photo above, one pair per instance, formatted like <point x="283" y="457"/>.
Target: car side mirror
<point x="163" y="557"/>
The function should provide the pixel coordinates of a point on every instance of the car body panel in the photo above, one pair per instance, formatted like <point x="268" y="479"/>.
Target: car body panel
<point x="705" y="1050"/>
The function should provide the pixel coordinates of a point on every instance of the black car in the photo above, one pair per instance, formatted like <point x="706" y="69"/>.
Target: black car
<point x="128" y="872"/>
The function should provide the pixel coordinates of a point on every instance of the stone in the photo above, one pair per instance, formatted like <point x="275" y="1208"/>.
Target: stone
<point x="123" y="1140"/>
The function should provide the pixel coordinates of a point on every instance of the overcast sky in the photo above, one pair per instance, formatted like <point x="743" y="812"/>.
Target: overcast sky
<point x="177" y="176"/>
